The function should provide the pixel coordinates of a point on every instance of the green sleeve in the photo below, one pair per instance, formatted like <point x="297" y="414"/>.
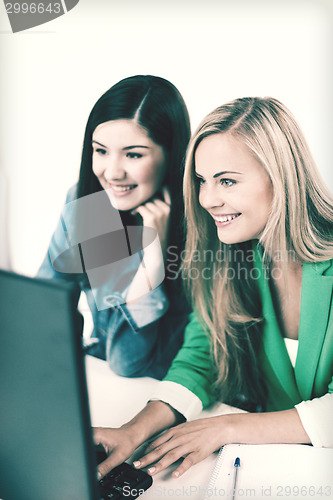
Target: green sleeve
<point x="193" y="367"/>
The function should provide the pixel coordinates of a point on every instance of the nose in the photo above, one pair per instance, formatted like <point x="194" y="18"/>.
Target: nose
<point x="114" y="170"/>
<point x="210" y="197"/>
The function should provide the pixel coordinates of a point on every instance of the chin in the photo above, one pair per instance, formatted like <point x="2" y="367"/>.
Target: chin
<point x="119" y="206"/>
<point x="232" y="240"/>
<point x="227" y="240"/>
<point x="122" y="205"/>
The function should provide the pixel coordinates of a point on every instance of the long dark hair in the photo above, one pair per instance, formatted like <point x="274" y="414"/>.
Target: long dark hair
<point x="160" y="109"/>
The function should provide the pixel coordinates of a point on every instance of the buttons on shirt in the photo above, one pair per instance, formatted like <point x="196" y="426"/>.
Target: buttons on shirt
<point x="114" y="300"/>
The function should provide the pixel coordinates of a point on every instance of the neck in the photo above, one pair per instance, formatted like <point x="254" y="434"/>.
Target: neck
<point x="288" y="265"/>
<point x="284" y="259"/>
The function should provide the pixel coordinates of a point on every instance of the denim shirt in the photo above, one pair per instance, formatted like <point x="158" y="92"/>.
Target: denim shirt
<point x="137" y="339"/>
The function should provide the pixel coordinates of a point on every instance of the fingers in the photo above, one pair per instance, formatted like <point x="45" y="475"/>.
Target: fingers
<point x="109" y="463"/>
<point x="161" y="205"/>
<point x="117" y="453"/>
<point x="153" y="207"/>
<point x="186" y="464"/>
<point x="166" y="195"/>
<point x="164" y="451"/>
<point x="166" y="436"/>
<point x="155" y="203"/>
<point x="183" y="441"/>
<point x="157" y="453"/>
<point x="169" y="458"/>
<point x="155" y="214"/>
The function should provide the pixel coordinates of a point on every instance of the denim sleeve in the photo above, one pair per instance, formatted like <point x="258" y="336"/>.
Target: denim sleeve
<point x="149" y="308"/>
<point x="134" y="351"/>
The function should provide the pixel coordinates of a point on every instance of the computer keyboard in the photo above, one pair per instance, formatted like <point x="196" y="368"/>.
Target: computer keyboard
<point x="123" y="482"/>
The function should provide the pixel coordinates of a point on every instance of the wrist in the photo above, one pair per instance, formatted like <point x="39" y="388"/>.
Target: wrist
<point x="228" y="428"/>
<point x="154" y="418"/>
<point x="136" y="432"/>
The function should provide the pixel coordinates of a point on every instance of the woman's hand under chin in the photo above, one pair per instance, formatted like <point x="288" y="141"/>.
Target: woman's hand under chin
<point x="156" y="215"/>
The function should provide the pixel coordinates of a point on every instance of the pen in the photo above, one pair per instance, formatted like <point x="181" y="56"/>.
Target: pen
<point x="236" y="466"/>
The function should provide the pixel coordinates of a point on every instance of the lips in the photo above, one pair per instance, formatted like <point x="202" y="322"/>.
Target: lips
<point x="225" y="218"/>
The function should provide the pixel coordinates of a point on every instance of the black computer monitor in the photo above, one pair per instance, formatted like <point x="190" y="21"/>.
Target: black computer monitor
<point x="46" y="449"/>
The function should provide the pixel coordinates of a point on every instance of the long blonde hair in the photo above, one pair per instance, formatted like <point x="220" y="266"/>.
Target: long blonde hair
<point x="301" y="220"/>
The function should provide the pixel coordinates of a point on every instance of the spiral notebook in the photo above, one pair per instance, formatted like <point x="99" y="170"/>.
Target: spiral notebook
<point x="272" y="471"/>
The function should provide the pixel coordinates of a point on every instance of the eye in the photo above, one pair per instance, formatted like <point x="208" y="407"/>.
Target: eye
<point x="100" y="151"/>
<point x="200" y="181"/>
<point x="227" y="182"/>
<point x="134" y="156"/>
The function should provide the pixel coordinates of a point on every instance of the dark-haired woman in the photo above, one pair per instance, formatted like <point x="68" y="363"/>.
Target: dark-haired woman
<point x="121" y="230"/>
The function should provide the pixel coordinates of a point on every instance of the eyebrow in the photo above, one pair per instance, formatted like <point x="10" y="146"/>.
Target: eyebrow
<point x="137" y="146"/>
<point x="125" y="149"/>
<point x="220" y="173"/>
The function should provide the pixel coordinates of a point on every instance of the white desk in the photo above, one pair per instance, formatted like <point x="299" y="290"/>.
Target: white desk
<point x="114" y="400"/>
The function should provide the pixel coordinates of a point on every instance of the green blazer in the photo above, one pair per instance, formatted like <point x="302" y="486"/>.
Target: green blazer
<point x="313" y="373"/>
<point x="312" y="376"/>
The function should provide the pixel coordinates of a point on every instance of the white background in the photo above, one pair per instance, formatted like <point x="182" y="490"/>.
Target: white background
<point x="213" y="51"/>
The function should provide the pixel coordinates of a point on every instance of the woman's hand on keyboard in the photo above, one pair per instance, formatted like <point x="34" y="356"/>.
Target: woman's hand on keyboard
<point x="119" y="445"/>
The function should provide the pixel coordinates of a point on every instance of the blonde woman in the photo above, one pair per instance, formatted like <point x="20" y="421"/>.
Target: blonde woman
<point x="259" y="268"/>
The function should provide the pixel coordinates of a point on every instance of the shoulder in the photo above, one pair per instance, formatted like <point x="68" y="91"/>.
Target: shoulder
<point x="317" y="278"/>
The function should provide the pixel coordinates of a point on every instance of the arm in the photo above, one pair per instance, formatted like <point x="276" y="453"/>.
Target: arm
<point x="309" y="422"/>
<point x="157" y="415"/>
<point x="198" y="439"/>
<point x="195" y="440"/>
<point x="155" y="215"/>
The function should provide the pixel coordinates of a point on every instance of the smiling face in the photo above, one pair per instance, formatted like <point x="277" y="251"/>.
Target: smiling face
<point x="128" y="164"/>
<point x="234" y="188"/>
